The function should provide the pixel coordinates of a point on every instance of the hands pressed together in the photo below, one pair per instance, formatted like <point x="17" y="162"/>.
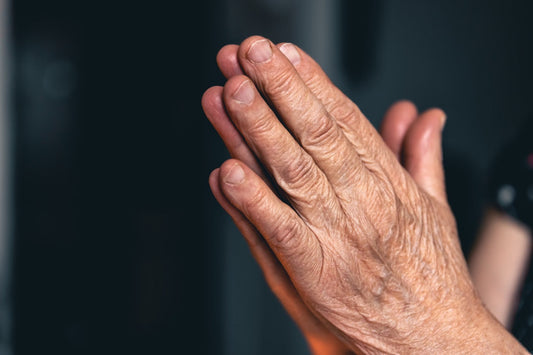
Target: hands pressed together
<point x="351" y="228"/>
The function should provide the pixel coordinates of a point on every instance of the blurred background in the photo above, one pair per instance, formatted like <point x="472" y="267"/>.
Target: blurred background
<point x="109" y="239"/>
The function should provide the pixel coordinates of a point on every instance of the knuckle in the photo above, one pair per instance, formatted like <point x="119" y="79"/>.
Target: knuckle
<point x="256" y="201"/>
<point x="281" y="85"/>
<point x="262" y="125"/>
<point x="322" y="84"/>
<point x="345" y="112"/>
<point x="286" y="234"/>
<point x="299" y="172"/>
<point x="321" y="131"/>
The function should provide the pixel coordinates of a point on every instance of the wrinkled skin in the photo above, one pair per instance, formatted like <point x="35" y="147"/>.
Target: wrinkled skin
<point x="362" y="251"/>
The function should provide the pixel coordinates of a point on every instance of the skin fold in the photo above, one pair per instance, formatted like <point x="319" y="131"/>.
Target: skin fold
<point x="351" y="228"/>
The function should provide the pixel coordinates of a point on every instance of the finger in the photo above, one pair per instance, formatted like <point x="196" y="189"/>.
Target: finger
<point x="301" y="111"/>
<point x="319" y="338"/>
<point x="275" y="275"/>
<point x="347" y="115"/>
<point x="396" y="120"/>
<point x="395" y="124"/>
<point x="345" y="112"/>
<point x="237" y="147"/>
<point x="293" y="169"/>
<point x="423" y="153"/>
<point x="227" y="61"/>
<point x="286" y="234"/>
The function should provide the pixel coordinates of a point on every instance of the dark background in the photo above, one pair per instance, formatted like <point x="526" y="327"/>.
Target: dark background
<point x="118" y="246"/>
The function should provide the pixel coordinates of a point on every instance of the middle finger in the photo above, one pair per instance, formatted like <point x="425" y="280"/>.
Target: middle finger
<point x="301" y="111"/>
<point x="292" y="168"/>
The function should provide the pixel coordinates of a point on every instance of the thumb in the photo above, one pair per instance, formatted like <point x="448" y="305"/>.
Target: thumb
<point x="422" y="153"/>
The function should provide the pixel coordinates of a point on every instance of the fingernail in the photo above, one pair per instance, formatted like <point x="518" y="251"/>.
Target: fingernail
<point x="235" y="176"/>
<point x="442" y="121"/>
<point x="260" y="51"/>
<point x="291" y="53"/>
<point x="244" y="94"/>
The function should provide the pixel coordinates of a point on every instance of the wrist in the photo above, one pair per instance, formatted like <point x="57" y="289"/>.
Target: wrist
<point x="476" y="333"/>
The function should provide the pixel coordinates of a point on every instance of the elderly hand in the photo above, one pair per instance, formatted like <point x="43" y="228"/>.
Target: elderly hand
<point x="370" y="251"/>
<point x="413" y="139"/>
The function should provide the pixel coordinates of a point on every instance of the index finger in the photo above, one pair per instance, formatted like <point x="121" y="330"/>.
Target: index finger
<point x="301" y="111"/>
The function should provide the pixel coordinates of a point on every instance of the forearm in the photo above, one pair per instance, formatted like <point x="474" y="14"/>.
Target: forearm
<point x="498" y="263"/>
